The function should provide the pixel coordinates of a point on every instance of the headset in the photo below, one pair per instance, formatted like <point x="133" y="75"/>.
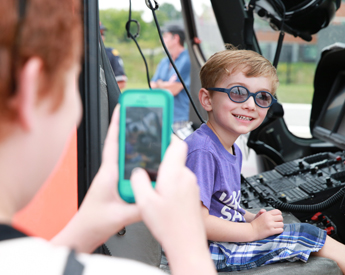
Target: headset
<point x="298" y="17"/>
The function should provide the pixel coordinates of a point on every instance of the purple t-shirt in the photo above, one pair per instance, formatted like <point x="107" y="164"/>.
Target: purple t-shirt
<point x="218" y="173"/>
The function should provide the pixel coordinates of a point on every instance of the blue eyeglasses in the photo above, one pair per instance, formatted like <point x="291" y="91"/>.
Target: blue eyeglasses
<point x="241" y="94"/>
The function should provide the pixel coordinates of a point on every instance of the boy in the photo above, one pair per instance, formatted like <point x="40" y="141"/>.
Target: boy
<point x="237" y="89"/>
<point x="40" y="52"/>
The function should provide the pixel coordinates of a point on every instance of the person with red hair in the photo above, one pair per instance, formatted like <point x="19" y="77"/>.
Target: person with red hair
<point x="40" y="56"/>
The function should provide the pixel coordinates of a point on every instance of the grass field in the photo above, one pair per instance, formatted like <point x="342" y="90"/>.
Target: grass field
<point x="134" y="64"/>
<point x="295" y="93"/>
<point x="296" y="82"/>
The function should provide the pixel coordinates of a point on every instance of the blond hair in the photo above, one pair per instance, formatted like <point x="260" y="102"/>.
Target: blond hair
<point x="232" y="60"/>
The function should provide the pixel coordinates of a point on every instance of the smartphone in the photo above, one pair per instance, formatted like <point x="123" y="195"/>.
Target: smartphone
<point x="146" y="118"/>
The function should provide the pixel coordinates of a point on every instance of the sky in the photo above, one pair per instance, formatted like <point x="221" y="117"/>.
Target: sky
<point x="136" y="5"/>
<point x="140" y="5"/>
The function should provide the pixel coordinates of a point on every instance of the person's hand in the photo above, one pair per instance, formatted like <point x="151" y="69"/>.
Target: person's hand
<point x="102" y="213"/>
<point x="250" y="216"/>
<point x="175" y="198"/>
<point x="172" y="212"/>
<point x="102" y="198"/>
<point x="159" y="83"/>
<point x="261" y="211"/>
<point x="267" y="224"/>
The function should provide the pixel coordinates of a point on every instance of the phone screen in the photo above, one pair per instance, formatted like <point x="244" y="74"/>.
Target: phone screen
<point x="143" y="140"/>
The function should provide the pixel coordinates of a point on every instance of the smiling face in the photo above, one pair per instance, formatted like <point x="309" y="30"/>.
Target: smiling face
<point x="229" y="119"/>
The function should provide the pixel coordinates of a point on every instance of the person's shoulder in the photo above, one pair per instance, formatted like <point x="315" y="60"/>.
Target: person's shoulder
<point x="238" y="151"/>
<point x="115" y="52"/>
<point x="164" y="61"/>
<point x="100" y="264"/>
<point x="185" y="53"/>
<point x="199" y="139"/>
<point x="30" y="255"/>
<point x="112" y="51"/>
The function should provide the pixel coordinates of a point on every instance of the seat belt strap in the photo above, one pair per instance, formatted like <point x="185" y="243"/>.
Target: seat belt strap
<point x="73" y="266"/>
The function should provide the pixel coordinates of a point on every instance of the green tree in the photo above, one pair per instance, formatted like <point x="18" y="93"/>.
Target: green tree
<point x="116" y="37"/>
<point x="167" y="12"/>
<point x="115" y="21"/>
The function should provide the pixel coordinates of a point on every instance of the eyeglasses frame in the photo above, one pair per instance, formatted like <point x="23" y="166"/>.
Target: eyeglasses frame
<point x="227" y="91"/>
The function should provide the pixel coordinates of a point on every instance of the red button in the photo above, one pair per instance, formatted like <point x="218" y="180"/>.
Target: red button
<point x="316" y="216"/>
<point x="330" y="230"/>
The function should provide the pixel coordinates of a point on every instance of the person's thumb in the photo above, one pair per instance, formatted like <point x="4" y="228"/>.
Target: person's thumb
<point x="141" y="185"/>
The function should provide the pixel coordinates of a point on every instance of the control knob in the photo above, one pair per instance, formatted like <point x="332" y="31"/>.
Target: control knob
<point x="300" y="164"/>
<point x="244" y="193"/>
<point x="329" y="182"/>
<point x="282" y="198"/>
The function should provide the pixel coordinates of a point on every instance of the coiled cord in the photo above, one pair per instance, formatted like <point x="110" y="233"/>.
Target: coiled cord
<point x="308" y="208"/>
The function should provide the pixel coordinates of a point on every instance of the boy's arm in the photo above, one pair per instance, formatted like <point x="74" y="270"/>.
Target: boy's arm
<point x="220" y="230"/>
<point x="250" y="216"/>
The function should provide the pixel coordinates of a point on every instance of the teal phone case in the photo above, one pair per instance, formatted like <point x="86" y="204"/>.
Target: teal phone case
<point x="141" y="99"/>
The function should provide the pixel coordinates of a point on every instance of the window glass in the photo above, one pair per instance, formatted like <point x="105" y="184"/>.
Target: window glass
<point x="296" y="67"/>
<point x="207" y="28"/>
<point x="114" y="15"/>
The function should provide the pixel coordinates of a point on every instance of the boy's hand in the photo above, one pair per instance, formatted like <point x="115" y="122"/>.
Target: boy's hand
<point x="251" y="217"/>
<point x="259" y="213"/>
<point x="268" y="224"/>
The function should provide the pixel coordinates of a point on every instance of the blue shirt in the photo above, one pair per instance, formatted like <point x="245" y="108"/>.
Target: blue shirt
<point x="166" y="72"/>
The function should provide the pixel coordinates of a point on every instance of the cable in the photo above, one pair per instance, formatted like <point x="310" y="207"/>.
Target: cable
<point x="281" y="36"/>
<point x="149" y="5"/>
<point x="308" y="208"/>
<point x="130" y="35"/>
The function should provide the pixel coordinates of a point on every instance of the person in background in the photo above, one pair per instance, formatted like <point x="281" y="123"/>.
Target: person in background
<point x="165" y="77"/>
<point x="40" y="109"/>
<point x="115" y="61"/>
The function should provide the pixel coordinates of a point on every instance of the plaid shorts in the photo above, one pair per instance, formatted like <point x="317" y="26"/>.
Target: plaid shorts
<point x="296" y="243"/>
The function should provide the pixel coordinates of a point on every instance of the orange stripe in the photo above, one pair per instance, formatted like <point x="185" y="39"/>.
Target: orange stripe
<point x="56" y="202"/>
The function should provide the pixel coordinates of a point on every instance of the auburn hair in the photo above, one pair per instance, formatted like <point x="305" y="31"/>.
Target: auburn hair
<point x="50" y="30"/>
<point x="231" y="60"/>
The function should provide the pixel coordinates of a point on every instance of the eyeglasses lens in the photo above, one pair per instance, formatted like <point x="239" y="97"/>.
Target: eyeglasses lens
<point x="263" y="99"/>
<point x="240" y="94"/>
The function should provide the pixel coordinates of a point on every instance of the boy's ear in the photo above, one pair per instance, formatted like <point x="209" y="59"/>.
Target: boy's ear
<point x="205" y="99"/>
<point x="25" y="100"/>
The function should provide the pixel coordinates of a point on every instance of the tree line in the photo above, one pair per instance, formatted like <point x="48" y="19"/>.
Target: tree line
<point x="115" y="21"/>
